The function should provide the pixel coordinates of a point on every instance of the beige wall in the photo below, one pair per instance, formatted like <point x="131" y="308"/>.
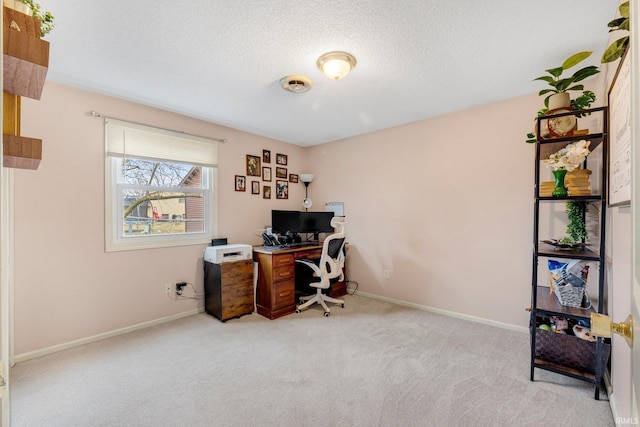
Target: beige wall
<point x="445" y="205"/>
<point x="66" y="286"/>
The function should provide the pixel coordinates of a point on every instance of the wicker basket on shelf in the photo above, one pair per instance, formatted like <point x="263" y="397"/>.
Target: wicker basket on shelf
<point x="570" y="290"/>
<point x="569" y="351"/>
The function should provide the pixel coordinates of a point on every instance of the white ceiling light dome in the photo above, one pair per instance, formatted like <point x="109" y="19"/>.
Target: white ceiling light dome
<point x="336" y="65"/>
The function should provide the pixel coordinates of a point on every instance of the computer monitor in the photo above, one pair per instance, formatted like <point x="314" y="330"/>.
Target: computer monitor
<point x="285" y="221"/>
<point x="316" y="222"/>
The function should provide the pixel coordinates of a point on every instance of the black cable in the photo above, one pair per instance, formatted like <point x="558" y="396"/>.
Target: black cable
<point x="197" y="295"/>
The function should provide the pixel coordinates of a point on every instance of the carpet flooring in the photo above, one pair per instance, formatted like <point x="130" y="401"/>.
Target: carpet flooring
<point x="372" y="363"/>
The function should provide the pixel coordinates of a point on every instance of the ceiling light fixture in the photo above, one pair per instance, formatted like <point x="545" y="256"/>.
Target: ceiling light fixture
<point x="336" y="65"/>
<point x="296" y="83"/>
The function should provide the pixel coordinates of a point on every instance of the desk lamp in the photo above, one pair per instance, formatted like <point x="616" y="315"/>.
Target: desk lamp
<point x="306" y="179"/>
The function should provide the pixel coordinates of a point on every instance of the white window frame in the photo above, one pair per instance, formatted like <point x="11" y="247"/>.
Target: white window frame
<point x="126" y="139"/>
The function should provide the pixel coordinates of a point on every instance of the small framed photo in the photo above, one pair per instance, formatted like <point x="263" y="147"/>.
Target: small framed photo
<point x="281" y="173"/>
<point x="255" y="187"/>
<point x="266" y="192"/>
<point x="293" y="177"/>
<point x="266" y="156"/>
<point x="241" y="183"/>
<point x="253" y="165"/>
<point x="266" y="173"/>
<point x="282" y="189"/>
<point x="281" y="159"/>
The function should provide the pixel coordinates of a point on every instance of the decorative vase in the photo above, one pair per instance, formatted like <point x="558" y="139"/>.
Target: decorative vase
<point x="559" y="190"/>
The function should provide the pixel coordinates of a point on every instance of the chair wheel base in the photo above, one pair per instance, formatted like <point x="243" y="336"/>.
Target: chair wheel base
<point x="298" y="311"/>
<point x="326" y="314"/>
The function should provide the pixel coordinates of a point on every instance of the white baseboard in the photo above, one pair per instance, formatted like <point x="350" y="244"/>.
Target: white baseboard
<point x="71" y="344"/>
<point x="445" y="312"/>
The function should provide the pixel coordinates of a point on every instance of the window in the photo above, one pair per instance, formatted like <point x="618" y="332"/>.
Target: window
<point x="159" y="187"/>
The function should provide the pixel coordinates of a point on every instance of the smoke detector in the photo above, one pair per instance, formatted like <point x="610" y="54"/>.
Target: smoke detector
<point x="296" y="83"/>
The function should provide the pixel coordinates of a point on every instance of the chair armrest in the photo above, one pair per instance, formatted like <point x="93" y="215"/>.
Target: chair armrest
<point x="310" y="264"/>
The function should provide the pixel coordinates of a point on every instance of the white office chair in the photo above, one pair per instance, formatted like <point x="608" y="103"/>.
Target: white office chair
<point x="330" y="268"/>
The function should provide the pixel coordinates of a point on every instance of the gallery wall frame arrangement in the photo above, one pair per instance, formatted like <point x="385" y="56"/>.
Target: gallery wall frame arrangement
<point x="255" y="167"/>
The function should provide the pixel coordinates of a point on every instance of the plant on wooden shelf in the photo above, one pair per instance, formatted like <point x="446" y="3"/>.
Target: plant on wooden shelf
<point x="558" y="95"/>
<point x="617" y="48"/>
<point x="46" y="18"/>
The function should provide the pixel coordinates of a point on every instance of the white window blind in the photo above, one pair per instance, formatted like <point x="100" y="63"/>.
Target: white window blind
<point x="123" y="139"/>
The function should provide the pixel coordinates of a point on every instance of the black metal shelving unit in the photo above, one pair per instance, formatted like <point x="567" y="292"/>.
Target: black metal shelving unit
<point x="544" y="304"/>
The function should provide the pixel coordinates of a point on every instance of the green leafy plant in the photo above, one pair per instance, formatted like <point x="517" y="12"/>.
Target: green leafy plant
<point x="46" y="18"/>
<point x="577" y="228"/>
<point x="617" y="48"/>
<point x="558" y="84"/>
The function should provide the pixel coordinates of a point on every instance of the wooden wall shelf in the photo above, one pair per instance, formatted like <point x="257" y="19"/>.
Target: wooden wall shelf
<point x="25" y="55"/>
<point x="21" y="152"/>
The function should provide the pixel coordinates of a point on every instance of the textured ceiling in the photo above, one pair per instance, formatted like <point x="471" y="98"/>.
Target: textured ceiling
<point x="221" y="61"/>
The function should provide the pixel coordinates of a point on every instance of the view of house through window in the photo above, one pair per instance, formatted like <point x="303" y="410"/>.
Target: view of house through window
<point x="159" y="187"/>
<point x="160" y="197"/>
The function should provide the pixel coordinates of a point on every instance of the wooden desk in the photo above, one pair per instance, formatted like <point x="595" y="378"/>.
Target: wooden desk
<point x="276" y="287"/>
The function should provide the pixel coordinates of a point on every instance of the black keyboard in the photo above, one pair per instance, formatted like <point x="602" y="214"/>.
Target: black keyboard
<point x="295" y="245"/>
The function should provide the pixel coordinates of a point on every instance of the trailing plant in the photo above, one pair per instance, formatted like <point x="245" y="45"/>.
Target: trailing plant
<point x="617" y="48"/>
<point x="577" y="228"/>
<point x="46" y="18"/>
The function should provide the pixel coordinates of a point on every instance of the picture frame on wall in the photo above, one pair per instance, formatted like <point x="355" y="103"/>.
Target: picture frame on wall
<point x="281" y="159"/>
<point x="266" y="156"/>
<point x="619" y="179"/>
<point x="266" y="192"/>
<point x="241" y="183"/>
<point x="281" y="173"/>
<point x="266" y="173"/>
<point x="293" y="177"/>
<point x="253" y="165"/>
<point x="282" y="189"/>
<point x="255" y="187"/>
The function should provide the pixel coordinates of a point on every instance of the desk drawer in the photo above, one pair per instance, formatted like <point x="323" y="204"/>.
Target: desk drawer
<point x="284" y="294"/>
<point x="280" y="260"/>
<point x="283" y="273"/>
<point x="309" y="254"/>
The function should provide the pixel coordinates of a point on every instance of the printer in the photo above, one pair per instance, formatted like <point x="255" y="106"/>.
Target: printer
<point x="227" y="253"/>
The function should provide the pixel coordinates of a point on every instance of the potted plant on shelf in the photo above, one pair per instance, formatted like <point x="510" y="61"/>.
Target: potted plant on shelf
<point x="617" y="48"/>
<point x="558" y="98"/>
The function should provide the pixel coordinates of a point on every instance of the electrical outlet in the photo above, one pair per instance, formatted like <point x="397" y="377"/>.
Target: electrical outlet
<point x="179" y="287"/>
<point x="385" y="273"/>
<point x="168" y="288"/>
